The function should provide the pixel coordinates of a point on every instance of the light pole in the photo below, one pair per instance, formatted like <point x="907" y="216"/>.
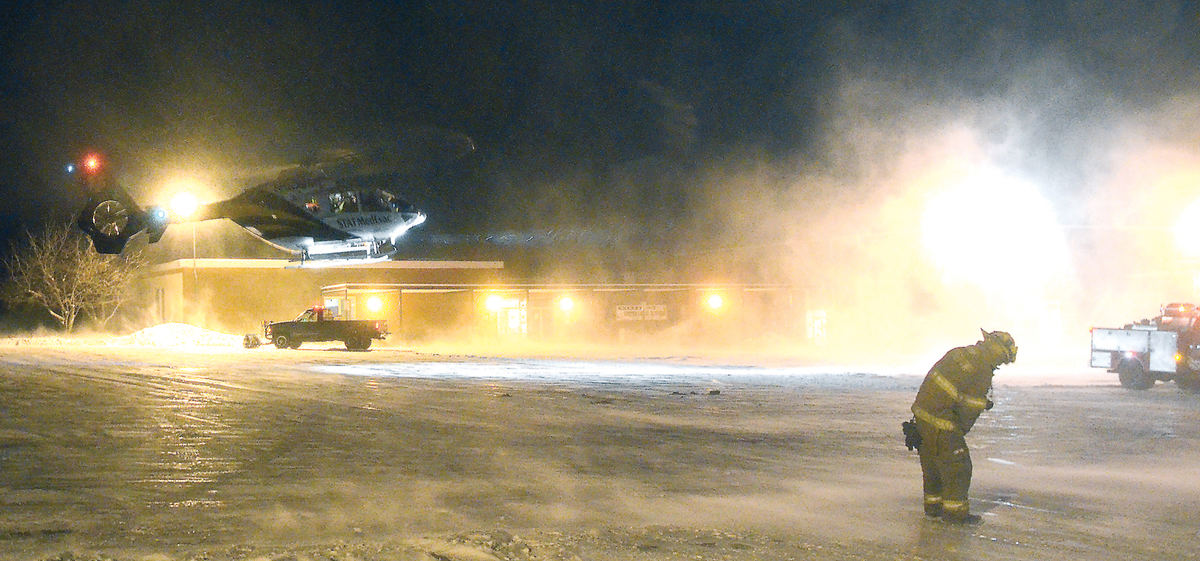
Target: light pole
<point x="195" y="275"/>
<point x="183" y="206"/>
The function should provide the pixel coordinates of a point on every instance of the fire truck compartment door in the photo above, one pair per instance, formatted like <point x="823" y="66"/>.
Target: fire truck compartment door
<point x="1103" y="359"/>
<point x="1121" y="340"/>
<point x="1162" y="350"/>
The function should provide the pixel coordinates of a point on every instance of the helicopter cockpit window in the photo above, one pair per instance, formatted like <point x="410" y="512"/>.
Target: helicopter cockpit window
<point x="379" y="201"/>
<point x="343" y="201"/>
<point x="387" y="202"/>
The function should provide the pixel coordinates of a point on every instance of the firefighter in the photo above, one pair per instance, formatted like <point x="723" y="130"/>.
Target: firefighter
<point x="949" y="401"/>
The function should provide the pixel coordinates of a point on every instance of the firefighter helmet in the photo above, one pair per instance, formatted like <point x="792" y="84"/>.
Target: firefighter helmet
<point x="1001" y="345"/>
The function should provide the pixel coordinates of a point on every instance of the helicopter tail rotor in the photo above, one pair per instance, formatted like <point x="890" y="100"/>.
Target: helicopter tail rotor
<point x="111" y="218"/>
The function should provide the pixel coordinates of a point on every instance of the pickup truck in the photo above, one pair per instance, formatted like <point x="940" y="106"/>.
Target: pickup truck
<point x="314" y="326"/>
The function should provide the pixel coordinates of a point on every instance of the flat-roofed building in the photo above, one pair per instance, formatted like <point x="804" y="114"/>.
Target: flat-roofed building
<point x="571" y="312"/>
<point x="237" y="295"/>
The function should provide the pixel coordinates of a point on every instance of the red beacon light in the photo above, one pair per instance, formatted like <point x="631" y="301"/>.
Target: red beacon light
<point x="91" y="164"/>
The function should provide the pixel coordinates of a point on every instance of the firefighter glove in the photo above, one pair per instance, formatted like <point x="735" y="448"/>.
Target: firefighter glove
<point x="912" y="438"/>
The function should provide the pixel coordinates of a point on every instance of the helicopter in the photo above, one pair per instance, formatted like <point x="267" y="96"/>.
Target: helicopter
<point x="339" y="209"/>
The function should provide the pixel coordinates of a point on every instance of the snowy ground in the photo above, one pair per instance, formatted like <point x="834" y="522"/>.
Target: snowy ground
<point x="194" y="448"/>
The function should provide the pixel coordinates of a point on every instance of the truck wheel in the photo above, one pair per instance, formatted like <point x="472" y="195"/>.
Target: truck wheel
<point x="358" y="343"/>
<point x="281" y="342"/>
<point x="1133" y="376"/>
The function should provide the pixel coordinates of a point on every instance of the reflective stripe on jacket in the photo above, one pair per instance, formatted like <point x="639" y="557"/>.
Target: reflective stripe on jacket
<point x="954" y="392"/>
<point x="940" y="423"/>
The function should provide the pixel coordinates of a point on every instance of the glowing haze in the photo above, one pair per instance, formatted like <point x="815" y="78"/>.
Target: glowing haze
<point x="945" y="242"/>
<point x="993" y="231"/>
<point x="917" y="170"/>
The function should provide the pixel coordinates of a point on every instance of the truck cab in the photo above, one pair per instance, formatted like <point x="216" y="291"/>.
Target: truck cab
<point x="307" y="325"/>
<point x="1178" y="317"/>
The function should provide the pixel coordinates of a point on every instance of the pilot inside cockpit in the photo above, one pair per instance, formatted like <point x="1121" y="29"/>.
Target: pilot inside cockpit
<point x="391" y="203"/>
<point x="343" y="201"/>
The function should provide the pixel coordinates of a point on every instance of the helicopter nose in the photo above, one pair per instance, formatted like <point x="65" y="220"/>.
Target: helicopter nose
<point x="411" y="220"/>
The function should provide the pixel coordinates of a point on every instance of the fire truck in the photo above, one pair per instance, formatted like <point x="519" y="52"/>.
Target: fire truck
<point x="1166" y="347"/>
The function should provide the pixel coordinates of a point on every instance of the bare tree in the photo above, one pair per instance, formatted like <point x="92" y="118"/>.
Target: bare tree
<point x="58" y="270"/>
<point x="114" y="284"/>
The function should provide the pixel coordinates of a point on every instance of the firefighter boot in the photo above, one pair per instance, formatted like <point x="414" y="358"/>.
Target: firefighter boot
<point x="933" y="506"/>
<point x="958" y="512"/>
<point x="965" y="519"/>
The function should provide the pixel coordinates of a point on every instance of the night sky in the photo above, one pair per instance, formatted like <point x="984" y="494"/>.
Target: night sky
<point x="616" y="120"/>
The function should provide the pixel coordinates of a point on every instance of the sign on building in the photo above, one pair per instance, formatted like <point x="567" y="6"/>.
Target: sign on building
<point x="642" y="312"/>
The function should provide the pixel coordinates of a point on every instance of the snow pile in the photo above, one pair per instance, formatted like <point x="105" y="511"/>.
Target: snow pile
<point x="180" y="335"/>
